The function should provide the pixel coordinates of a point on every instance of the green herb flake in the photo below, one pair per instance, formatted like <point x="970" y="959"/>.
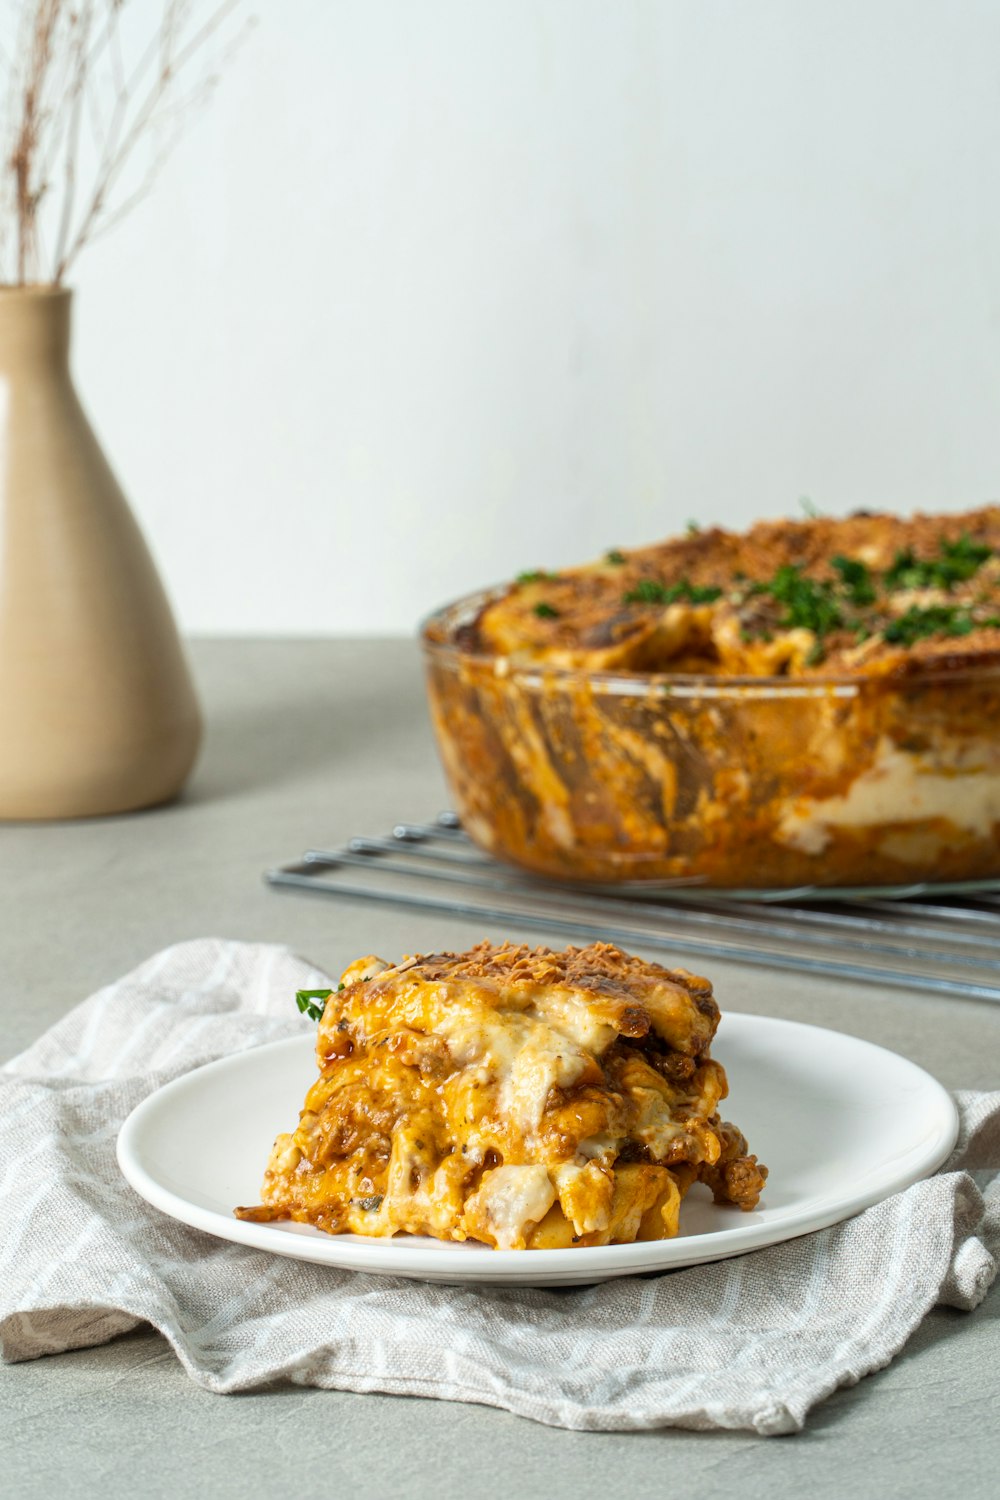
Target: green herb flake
<point x="693" y="528"/>
<point x="965" y="557"/>
<point x="917" y="624"/>
<point x="546" y="612"/>
<point x="304" y="999"/>
<point x="369" y="1205"/>
<point x="906" y="572"/>
<point x="809" y="605"/>
<point x="534" y="575"/>
<point x="651" y="591"/>
<point x="956" y="562"/>
<point x="856" y="579"/>
<point x="615" y="558"/>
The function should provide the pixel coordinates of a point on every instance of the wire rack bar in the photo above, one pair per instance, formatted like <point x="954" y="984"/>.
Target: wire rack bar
<point x="940" y="940"/>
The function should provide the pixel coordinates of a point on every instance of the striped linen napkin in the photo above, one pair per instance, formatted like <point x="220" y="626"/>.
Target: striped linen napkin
<point x="747" y="1343"/>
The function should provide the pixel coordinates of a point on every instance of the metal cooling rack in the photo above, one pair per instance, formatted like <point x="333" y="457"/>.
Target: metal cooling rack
<point x="941" y="939"/>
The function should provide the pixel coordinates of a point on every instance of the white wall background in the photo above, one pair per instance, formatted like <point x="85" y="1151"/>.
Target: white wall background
<point x="442" y="289"/>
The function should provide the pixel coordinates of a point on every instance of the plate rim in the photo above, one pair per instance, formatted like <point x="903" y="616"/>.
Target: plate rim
<point x="427" y="1260"/>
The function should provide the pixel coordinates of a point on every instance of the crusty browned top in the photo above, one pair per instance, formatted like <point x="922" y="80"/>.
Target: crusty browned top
<point x="866" y="594"/>
<point x="630" y="995"/>
<point x="600" y="967"/>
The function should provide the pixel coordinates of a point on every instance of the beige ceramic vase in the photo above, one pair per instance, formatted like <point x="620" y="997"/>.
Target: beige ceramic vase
<point x="97" y="710"/>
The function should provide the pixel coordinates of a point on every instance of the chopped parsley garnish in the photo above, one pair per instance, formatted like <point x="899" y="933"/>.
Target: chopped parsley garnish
<point x="956" y="562"/>
<point x="907" y="573"/>
<point x="964" y="557"/>
<point x="369" y="1205"/>
<point x="856" y="578"/>
<point x="938" y="619"/>
<point x="304" y="1000"/>
<point x="692" y="528"/>
<point x="852" y="599"/>
<point x="821" y="606"/>
<point x="651" y="591"/>
<point x="809" y="605"/>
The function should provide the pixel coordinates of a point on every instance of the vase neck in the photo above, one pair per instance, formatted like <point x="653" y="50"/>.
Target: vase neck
<point x="34" y="327"/>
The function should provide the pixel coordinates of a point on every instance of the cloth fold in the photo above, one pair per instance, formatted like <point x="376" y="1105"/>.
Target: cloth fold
<point x="752" y="1342"/>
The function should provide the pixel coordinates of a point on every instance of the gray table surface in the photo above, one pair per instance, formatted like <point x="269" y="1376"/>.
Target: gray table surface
<point x="309" y="742"/>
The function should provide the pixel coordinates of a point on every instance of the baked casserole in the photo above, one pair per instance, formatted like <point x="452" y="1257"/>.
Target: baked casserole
<point x="811" y="702"/>
<point x="525" y="1098"/>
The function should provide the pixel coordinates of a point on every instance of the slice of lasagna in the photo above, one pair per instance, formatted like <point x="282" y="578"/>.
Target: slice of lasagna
<point x="521" y="1097"/>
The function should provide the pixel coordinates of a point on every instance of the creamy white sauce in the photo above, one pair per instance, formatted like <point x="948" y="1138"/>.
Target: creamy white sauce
<point x="585" y="1195"/>
<point x="512" y="1198"/>
<point x="522" y="1054"/>
<point x="576" y="1017"/>
<point x="654" y="1127"/>
<point x="898" y="788"/>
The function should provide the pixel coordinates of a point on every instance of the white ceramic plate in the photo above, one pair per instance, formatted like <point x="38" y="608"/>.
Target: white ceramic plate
<point x="841" y="1124"/>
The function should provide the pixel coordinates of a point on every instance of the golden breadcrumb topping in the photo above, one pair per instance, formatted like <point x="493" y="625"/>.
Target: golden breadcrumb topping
<point x="867" y="594"/>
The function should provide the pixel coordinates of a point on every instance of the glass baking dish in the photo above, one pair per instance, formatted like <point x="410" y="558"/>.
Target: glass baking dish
<point x="723" y="781"/>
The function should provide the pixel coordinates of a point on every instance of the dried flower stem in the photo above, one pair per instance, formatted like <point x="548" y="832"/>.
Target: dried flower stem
<point x="86" y="127"/>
